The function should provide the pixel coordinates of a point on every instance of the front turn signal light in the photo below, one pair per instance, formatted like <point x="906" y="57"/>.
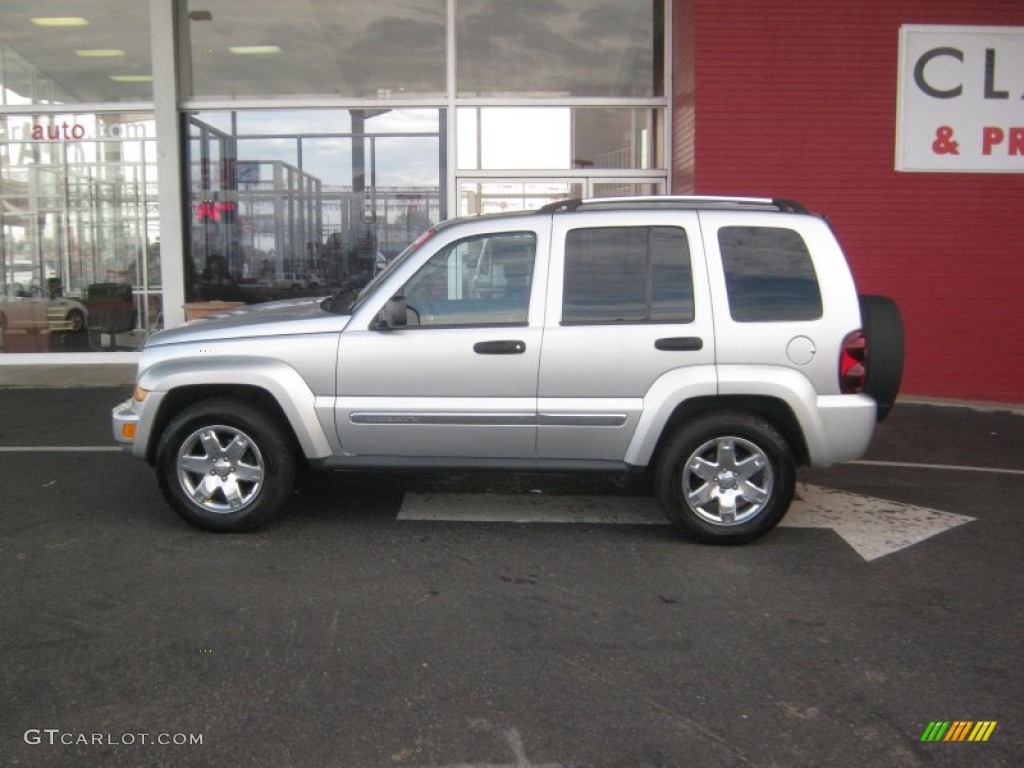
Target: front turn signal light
<point x="128" y="431"/>
<point x="139" y="394"/>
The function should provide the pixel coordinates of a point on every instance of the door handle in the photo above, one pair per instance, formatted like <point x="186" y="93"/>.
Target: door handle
<point x="510" y="347"/>
<point x="680" y="344"/>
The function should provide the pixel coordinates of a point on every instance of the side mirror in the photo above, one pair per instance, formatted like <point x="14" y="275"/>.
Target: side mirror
<point x="395" y="314"/>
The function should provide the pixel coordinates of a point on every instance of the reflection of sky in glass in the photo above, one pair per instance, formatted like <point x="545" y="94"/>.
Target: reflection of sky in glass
<point x="295" y="122"/>
<point x="769" y="275"/>
<point x="516" y="138"/>
<point x="407" y="162"/>
<point x="387" y="48"/>
<point x="557" y="48"/>
<point x="264" y="150"/>
<point x="399" y="160"/>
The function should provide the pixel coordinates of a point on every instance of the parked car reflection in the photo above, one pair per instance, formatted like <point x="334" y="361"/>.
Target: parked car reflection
<point x="30" y="308"/>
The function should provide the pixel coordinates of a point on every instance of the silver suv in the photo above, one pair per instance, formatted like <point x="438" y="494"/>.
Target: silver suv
<point x="719" y="342"/>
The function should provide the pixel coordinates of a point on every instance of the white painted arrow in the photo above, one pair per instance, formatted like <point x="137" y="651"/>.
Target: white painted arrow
<point x="873" y="527"/>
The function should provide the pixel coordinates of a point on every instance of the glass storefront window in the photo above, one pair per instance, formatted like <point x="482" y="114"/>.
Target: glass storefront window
<point x="498" y="196"/>
<point x="558" y="138"/>
<point x="301" y="202"/>
<point x="477" y="196"/>
<point x="79" y="235"/>
<point x="389" y="49"/>
<point x="49" y="54"/>
<point x="606" y="48"/>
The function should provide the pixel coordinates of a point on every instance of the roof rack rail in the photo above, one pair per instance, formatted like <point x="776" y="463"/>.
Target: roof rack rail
<point x="677" y="201"/>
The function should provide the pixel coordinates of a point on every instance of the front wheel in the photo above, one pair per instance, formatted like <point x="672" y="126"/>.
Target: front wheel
<point x="726" y="478"/>
<point x="225" y="466"/>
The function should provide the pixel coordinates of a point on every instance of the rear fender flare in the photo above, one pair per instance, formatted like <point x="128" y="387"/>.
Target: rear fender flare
<point x="661" y="401"/>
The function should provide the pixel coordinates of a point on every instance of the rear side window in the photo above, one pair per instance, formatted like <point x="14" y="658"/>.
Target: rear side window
<point x="769" y="275"/>
<point x="627" y="275"/>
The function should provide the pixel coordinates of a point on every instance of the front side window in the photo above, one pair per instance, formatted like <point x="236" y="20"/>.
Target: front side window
<point x="477" y="281"/>
<point x="627" y="275"/>
<point x="769" y="275"/>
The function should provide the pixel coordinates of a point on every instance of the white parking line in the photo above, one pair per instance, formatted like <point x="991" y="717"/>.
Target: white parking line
<point x="873" y="527"/>
<point x="944" y="467"/>
<point x="58" y="448"/>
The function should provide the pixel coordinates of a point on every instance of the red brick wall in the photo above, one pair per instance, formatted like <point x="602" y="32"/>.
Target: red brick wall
<point x="797" y="98"/>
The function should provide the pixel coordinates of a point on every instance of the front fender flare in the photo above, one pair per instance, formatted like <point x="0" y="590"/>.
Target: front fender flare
<point x="281" y="381"/>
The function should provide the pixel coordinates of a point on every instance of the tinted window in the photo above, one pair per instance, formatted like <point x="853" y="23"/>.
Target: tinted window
<point x="627" y="275"/>
<point x="769" y="275"/>
<point x="477" y="281"/>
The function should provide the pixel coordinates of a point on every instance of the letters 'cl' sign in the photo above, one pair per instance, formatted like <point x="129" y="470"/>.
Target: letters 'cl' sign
<point x="961" y="99"/>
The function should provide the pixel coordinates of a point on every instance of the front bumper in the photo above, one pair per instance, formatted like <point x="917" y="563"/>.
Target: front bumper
<point x="125" y="423"/>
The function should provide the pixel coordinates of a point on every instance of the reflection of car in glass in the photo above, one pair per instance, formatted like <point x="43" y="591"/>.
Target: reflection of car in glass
<point x="32" y="309"/>
<point x="298" y="281"/>
<point x="505" y="264"/>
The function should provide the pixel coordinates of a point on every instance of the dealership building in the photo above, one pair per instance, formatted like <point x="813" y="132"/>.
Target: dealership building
<point x="158" y="157"/>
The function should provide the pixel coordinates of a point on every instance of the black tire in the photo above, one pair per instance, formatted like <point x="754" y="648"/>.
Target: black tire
<point x="736" y="454"/>
<point x="76" y="321"/>
<point x="225" y="466"/>
<point x="883" y="328"/>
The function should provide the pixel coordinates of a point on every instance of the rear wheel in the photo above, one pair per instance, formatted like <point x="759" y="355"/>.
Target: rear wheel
<point x="225" y="466"/>
<point x="726" y="478"/>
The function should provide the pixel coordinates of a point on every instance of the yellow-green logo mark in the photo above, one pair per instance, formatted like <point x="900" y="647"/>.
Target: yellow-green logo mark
<point x="958" y="730"/>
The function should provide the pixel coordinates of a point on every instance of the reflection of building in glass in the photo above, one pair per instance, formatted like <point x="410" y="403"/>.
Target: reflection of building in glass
<point x="306" y="162"/>
<point x="77" y="205"/>
<point x="277" y="228"/>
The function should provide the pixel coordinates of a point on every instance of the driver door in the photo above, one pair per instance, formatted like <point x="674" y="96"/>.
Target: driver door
<point x="459" y="380"/>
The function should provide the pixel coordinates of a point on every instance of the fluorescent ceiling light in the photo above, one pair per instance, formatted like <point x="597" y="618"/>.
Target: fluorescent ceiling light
<point x="99" y="53"/>
<point x="59" y="21"/>
<point x="255" y="50"/>
<point x="131" y="78"/>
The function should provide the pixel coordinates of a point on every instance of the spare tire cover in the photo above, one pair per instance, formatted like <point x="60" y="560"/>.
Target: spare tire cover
<point x="883" y="327"/>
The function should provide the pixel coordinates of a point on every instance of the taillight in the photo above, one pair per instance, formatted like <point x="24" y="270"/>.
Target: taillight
<point x="853" y="372"/>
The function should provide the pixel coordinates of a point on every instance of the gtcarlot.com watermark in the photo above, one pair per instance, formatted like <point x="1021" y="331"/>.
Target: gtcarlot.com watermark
<point x="55" y="737"/>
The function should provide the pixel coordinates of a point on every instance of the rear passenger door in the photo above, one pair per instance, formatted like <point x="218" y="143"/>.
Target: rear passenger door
<point x="628" y="303"/>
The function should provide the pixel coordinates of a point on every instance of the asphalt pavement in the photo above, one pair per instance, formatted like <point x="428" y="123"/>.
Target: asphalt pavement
<point x="352" y="632"/>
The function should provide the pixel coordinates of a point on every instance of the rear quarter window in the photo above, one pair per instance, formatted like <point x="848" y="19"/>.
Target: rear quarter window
<point x="769" y="275"/>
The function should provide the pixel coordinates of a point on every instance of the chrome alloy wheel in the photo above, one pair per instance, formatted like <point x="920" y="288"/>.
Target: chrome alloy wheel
<point x="727" y="481"/>
<point x="220" y="469"/>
